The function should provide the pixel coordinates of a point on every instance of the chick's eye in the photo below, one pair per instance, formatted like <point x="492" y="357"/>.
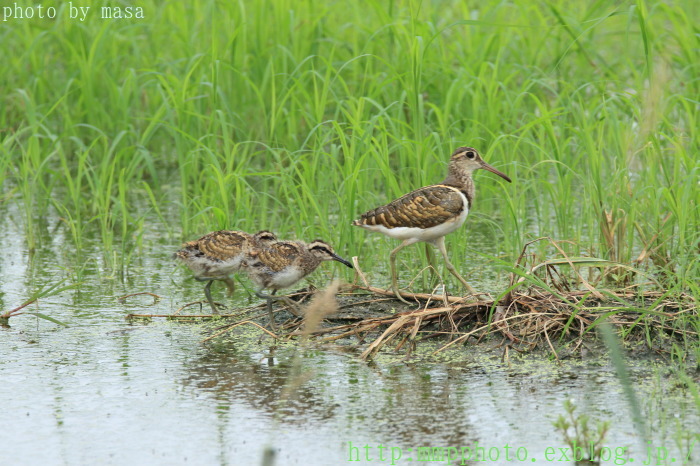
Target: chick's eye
<point x="470" y="155"/>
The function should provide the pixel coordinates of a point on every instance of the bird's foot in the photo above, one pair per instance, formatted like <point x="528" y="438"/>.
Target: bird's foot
<point x="397" y="293"/>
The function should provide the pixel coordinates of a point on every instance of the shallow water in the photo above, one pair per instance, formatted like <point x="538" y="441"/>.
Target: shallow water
<point x="106" y="391"/>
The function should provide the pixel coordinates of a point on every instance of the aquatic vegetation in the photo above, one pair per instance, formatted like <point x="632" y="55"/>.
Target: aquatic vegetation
<point x="301" y="122"/>
<point x="44" y="292"/>
<point x="298" y="120"/>
<point x="585" y="441"/>
<point x="120" y="139"/>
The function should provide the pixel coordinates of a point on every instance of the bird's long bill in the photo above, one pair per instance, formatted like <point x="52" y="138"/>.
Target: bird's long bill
<point x="341" y="260"/>
<point x="488" y="167"/>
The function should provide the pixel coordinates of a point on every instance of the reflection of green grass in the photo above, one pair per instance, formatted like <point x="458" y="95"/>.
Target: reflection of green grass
<point x="297" y="116"/>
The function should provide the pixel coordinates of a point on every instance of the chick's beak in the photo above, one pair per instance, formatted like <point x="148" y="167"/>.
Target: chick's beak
<point x="341" y="260"/>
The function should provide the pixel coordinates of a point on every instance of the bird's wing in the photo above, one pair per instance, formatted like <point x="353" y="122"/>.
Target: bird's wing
<point x="224" y="244"/>
<point x="278" y="255"/>
<point x="423" y="208"/>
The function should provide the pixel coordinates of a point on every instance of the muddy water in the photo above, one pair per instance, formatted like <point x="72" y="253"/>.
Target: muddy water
<point x="106" y="391"/>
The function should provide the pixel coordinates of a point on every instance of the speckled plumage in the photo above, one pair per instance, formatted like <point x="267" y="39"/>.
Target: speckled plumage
<point x="423" y="208"/>
<point x="218" y="255"/>
<point x="429" y="213"/>
<point x="284" y="263"/>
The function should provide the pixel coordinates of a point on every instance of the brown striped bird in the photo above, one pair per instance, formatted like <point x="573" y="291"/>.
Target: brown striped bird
<point x="283" y="263"/>
<point x="218" y="255"/>
<point x="429" y="213"/>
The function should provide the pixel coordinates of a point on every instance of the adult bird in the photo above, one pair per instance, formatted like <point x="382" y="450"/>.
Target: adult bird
<point x="429" y="213"/>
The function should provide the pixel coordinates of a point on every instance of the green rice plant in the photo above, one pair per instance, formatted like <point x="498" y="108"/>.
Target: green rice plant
<point x="44" y="292"/>
<point x="618" y="361"/>
<point x="35" y="188"/>
<point x="298" y="116"/>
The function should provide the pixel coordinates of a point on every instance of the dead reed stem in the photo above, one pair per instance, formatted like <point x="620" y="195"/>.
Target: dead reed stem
<point x="545" y="311"/>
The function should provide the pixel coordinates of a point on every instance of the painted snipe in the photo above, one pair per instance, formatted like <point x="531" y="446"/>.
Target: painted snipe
<point x="284" y="263"/>
<point x="429" y="213"/>
<point x="218" y="255"/>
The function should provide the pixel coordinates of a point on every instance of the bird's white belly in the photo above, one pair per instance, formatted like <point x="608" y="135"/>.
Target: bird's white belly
<point x="204" y="267"/>
<point x="422" y="234"/>
<point x="287" y="277"/>
<point x="277" y="280"/>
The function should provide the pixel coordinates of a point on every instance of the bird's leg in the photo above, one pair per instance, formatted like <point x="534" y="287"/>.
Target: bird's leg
<point x="392" y="263"/>
<point x="230" y="285"/>
<point x="440" y="243"/>
<point x="293" y="305"/>
<point x="207" y="293"/>
<point x="269" y="300"/>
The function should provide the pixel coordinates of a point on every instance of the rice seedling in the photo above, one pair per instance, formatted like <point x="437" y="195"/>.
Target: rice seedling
<point x="44" y="292"/>
<point x="585" y="442"/>
<point x="121" y="139"/>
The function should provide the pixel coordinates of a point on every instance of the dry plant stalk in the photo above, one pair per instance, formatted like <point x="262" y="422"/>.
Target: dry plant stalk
<point x="156" y="298"/>
<point x="613" y="227"/>
<point x="532" y="316"/>
<point x="322" y="304"/>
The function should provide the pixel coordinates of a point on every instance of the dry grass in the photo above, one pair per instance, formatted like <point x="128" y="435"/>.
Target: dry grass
<point x="531" y="318"/>
<point x="547" y="305"/>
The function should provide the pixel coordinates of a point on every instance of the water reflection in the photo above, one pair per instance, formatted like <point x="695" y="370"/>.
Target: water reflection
<point x="104" y="391"/>
<point x="258" y="380"/>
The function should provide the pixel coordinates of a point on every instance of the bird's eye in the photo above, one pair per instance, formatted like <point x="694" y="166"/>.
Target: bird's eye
<point x="470" y="155"/>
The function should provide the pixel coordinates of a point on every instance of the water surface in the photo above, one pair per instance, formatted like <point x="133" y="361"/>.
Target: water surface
<point x="107" y="391"/>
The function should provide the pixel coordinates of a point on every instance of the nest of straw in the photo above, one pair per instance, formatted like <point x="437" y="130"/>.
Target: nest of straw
<point x="541" y="308"/>
<point x="372" y="318"/>
<point x="527" y="320"/>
